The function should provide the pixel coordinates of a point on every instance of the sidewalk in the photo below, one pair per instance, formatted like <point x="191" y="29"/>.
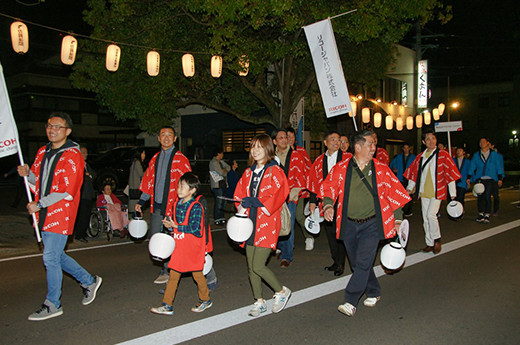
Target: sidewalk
<point x="17" y="236"/>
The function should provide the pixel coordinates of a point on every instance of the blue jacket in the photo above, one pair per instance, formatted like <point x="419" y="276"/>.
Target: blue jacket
<point x="398" y="164"/>
<point x="464" y="170"/>
<point x="492" y="167"/>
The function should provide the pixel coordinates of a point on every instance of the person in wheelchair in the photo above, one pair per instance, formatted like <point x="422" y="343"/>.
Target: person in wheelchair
<point x="117" y="216"/>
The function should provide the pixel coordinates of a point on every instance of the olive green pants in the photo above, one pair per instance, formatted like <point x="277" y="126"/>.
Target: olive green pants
<point x="256" y="263"/>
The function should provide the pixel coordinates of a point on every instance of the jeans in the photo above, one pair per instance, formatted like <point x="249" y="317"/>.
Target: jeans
<point x="56" y="261"/>
<point x="218" y="209"/>
<point x="156" y="226"/>
<point x="287" y="244"/>
<point x="484" y="199"/>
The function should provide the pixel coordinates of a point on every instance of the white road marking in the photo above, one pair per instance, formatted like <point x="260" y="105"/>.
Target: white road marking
<point x="235" y="317"/>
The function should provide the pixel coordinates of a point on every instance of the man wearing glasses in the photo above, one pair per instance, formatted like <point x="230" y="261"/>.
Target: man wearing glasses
<point x="57" y="176"/>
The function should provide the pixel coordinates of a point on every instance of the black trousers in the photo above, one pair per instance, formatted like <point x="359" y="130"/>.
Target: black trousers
<point x="494" y="194"/>
<point x="461" y="192"/>
<point x="361" y="241"/>
<point x="484" y="199"/>
<point x="83" y="218"/>
<point x="337" y="248"/>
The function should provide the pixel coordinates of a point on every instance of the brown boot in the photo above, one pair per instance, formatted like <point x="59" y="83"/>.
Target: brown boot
<point x="437" y="246"/>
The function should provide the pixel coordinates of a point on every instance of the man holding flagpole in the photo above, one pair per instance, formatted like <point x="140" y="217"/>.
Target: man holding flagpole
<point x="57" y="176"/>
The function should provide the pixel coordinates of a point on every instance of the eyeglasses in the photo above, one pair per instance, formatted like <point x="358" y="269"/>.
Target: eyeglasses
<point x="56" y="127"/>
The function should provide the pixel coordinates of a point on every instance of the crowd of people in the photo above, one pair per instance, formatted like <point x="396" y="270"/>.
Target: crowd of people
<point x="362" y="196"/>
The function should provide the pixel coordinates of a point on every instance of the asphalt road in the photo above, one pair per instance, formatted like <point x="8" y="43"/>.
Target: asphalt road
<point x="468" y="294"/>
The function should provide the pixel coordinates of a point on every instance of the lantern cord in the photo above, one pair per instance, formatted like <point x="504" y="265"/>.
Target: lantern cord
<point x="101" y="39"/>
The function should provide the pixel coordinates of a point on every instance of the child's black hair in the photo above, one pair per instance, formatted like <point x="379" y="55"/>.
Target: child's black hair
<point x="192" y="181"/>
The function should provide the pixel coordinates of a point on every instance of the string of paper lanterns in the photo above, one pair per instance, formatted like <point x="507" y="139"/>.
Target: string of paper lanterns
<point x="69" y="47"/>
<point x="401" y="121"/>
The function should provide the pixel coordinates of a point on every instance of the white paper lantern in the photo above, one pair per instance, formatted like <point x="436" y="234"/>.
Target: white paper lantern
<point x="216" y="66"/>
<point x="399" y="124"/>
<point x="188" y="65"/>
<point x="377" y="120"/>
<point x="244" y="63"/>
<point x="365" y="115"/>
<point x="69" y="45"/>
<point x="389" y="121"/>
<point x="441" y="109"/>
<point x="436" y="115"/>
<point x="409" y="122"/>
<point x="113" y="56"/>
<point x="354" y="109"/>
<point x="153" y="62"/>
<point x="418" y="121"/>
<point x="427" y="118"/>
<point x="20" y="37"/>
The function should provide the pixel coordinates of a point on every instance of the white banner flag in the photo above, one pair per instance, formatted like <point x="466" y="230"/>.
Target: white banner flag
<point x="329" y="72"/>
<point x="8" y="131"/>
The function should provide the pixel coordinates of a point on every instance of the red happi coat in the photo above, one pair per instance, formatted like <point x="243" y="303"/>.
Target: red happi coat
<point x="315" y="176"/>
<point x="382" y="156"/>
<point x="297" y="170"/>
<point x="66" y="178"/>
<point x="180" y="165"/>
<point x="391" y="193"/>
<point x="273" y="190"/>
<point x="307" y="162"/>
<point x="190" y="250"/>
<point x="446" y="172"/>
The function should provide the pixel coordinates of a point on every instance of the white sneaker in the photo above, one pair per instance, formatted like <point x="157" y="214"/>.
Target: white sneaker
<point x="371" y="301"/>
<point x="281" y="299"/>
<point x="347" y="309"/>
<point x="258" y="308"/>
<point x="309" y="244"/>
<point x="161" y="279"/>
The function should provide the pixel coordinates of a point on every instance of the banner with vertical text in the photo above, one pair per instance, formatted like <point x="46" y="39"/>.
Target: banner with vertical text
<point x="327" y="64"/>
<point x="8" y="131"/>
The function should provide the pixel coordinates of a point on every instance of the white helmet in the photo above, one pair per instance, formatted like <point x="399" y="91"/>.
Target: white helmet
<point x="161" y="246"/>
<point x="393" y="256"/>
<point x="208" y="264"/>
<point x="478" y="188"/>
<point x="455" y="209"/>
<point x="138" y="227"/>
<point x="239" y="227"/>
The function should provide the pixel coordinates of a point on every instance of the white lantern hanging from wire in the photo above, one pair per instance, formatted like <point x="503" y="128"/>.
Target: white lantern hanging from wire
<point x="377" y="120"/>
<point x="153" y="63"/>
<point x="419" y="121"/>
<point x="399" y="124"/>
<point x="427" y="118"/>
<point x="365" y="115"/>
<point x="435" y="113"/>
<point x="113" y="57"/>
<point x="441" y="109"/>
<point x="389" y="121"/>
<point x="409" y="123"/>
<point x="20" y="37"/>
<point x="69" y="46"/>
<point x="354" y="109"/>
<point x="188" y="65"/>
<point x="244" y="64"/>
<point x="216" y="66"/>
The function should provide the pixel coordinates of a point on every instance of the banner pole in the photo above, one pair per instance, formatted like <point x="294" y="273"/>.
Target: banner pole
<point x="19" y="150"/>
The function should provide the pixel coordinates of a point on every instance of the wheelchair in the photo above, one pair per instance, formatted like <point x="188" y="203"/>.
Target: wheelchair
<point x="99" y="222"/>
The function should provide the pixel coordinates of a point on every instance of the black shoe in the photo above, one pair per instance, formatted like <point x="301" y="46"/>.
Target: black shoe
<point x="338" y="271"/>
<point x="332" y="267"/>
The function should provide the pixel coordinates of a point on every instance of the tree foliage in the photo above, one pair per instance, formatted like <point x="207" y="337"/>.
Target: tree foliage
<point x="268" y="32"/>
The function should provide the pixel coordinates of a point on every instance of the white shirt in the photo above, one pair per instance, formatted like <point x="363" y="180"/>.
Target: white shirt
<point x="331" y="160"/>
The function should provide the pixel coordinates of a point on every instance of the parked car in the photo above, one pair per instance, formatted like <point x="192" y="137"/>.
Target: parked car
<point x="113" y="166"/>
